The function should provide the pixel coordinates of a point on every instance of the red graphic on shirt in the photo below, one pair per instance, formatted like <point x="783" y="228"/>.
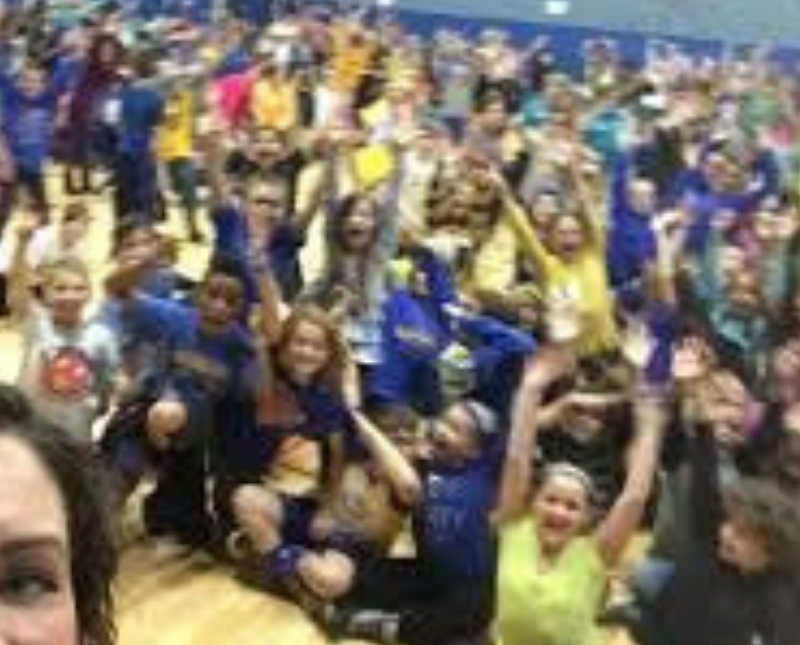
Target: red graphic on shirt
<point x="67" y="373"/>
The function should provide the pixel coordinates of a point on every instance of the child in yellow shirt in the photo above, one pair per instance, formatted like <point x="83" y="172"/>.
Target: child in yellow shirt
<point x="274" y="100"/>
<point x="176" y="150"/>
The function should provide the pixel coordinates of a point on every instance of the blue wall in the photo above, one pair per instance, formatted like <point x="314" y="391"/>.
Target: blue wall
<point x="704" y="27"/>
<point x="733" y="20"/>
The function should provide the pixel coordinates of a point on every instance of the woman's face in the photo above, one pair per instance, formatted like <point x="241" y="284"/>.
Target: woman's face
<point x="562" y="510"/>
<point x="307" y="353"/>
<point x="358" y="227"/>
<point x="742" y="546"/>
<point x="567" y="237"/>
<point x="37" y="604"/>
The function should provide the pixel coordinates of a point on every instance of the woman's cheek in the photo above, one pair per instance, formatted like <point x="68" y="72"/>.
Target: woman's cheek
<point x="54" y="624"/>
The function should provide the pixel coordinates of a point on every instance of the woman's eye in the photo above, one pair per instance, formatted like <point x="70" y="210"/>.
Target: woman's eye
<point x="26" y="589"/>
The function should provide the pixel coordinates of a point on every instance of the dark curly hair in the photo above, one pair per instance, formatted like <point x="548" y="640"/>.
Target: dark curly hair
<point x="80" y="483"/>
<point x="772" y="513"/>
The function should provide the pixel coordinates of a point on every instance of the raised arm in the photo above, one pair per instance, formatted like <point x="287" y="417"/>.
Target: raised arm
<point x="20" y="273"/>
<point x="622" y="521"/>
<point x="272" y="308"/>
<point x="587" y="204"/>
<point x="400" y="473"/>
<point x="528" y="238"/>
<point x="125" y="277"/>
<point x="517" y="476"/>
<point x="215" y="165"/>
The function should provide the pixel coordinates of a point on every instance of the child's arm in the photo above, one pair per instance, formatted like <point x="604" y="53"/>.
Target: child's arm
<point x="7" y="166"/>
<point x="272" y="307"/>
<point x="515" y="482"/>
<point x="125" y="277"/>
<point x="624" y="517"/>
<point x="20" y="274"/>
<point x="215" y="165"/>
<point x="401" y="474"/>
<point x="528" y="238"/>
<point x="587" y="206"/>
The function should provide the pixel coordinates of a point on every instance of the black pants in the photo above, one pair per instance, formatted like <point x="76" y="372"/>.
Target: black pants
<point x="431" y="609"/>
<point x="33" y="182"/>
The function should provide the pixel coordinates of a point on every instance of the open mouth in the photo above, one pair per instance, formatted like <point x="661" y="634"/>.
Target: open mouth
<point x="556" y="525"/>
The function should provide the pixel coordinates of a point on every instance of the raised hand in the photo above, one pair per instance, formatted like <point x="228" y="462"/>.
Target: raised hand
<point x="691" y="359"/>
<point x="27" y="227"/>
<point x="550" y="364"/>
<point x="637" y="344"/>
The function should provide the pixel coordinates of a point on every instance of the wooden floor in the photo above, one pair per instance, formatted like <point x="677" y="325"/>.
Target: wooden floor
<point x="169" y="600"/>
<point x="194" y="601"/>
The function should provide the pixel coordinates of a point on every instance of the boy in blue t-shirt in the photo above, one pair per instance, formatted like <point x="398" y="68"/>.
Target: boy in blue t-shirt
<point x="29" y="107"/>
<point x="141" y="110"/>
<point x="204" y="374"/>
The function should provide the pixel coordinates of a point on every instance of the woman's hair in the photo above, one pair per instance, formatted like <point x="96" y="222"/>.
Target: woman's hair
<point x="332" y="374"/>
<point x="80" y="483"/>
<point x="772" y="513"/>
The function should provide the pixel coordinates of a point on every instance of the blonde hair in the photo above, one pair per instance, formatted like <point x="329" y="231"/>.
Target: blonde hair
<point x="71" y="265"/>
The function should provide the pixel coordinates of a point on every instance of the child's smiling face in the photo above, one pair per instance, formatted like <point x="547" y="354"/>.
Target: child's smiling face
<point x="31" y="82"/>
<point x="221" y="299"/>
<point x="358" y="227"/>
<point x="66" y="294"/>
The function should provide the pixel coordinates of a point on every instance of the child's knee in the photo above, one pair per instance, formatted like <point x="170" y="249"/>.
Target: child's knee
<point x="330" y="576"/>
<point x="167" y="417"/>
<point x="251" y="502"/>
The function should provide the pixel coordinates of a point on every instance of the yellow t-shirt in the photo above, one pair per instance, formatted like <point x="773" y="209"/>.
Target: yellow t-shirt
<point x="585" y="277"/>
<point x="273" y="104"/>
<point x="176" y="134"/>
<point x="553" y="607"/>
<point x="350" y="59"/>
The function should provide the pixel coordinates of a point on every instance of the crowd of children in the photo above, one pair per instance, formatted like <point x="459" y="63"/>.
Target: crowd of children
<point x="530" y="313"/>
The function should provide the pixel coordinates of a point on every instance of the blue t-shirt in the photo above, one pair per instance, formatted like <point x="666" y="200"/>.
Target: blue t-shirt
<point x="27" y="124"/>
<point x="452" y="530"/>
<point x="141" y="110"/>
<point x="235" y="61"/>
<point x="631" y="240"/>
<point x="195" y="362"/>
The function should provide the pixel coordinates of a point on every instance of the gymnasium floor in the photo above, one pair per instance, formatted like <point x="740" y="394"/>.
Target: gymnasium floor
<point x="166" y="599"/>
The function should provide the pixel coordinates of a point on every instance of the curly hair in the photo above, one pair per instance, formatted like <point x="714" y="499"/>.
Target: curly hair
<point x="80" y="482"/>
<point x="772" y="513"/>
